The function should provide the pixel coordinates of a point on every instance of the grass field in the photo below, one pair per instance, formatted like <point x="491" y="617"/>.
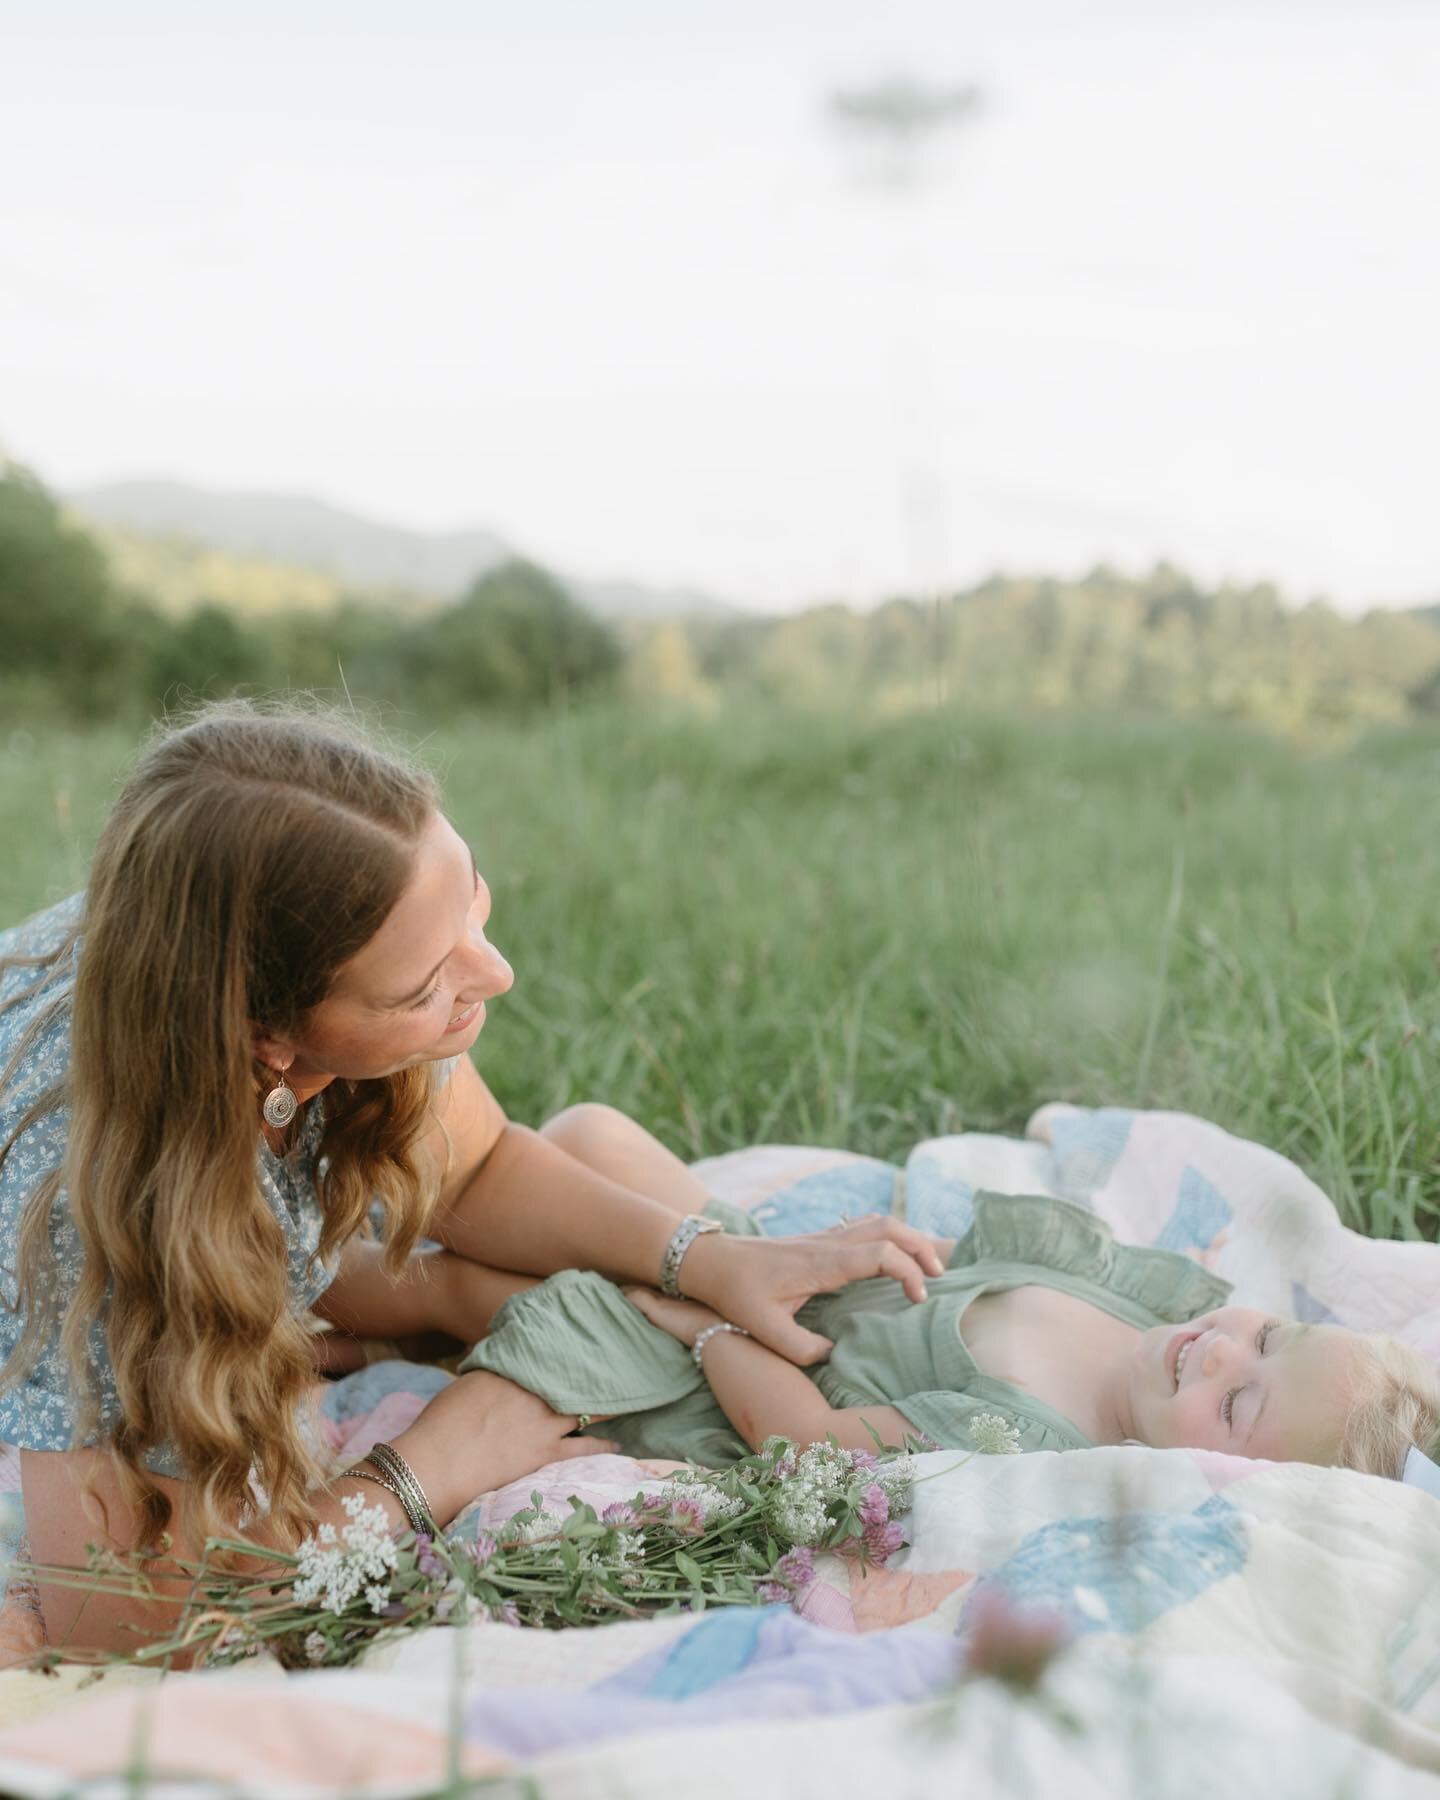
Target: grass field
<point x="826" y="930"/>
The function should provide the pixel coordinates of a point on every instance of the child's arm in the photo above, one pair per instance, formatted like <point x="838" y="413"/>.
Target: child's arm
<point x="761" y="1393"/>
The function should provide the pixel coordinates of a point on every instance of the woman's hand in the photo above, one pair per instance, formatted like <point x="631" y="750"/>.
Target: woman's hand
<point x="761" y="1283"/>
<point x="683" y="1319"/>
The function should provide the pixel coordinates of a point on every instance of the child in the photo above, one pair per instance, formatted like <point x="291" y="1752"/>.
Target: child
<point x="1040" y="1317"/>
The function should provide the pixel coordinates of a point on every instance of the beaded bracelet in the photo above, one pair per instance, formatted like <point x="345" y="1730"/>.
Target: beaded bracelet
<point x="686" y="1232"/>
<point x="704" y="1337"/>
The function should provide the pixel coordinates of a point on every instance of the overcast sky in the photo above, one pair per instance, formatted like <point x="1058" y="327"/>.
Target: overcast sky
<point x="598" y="276"/>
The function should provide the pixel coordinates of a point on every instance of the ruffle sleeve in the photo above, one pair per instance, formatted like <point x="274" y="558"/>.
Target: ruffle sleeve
<point x="1039" y="1230"/>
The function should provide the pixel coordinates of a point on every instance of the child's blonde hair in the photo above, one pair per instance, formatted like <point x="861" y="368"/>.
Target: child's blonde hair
<point x="1395" y="1404"/>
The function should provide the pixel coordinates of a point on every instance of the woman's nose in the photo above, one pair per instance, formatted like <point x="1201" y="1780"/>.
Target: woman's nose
<point x="495" y="972"/>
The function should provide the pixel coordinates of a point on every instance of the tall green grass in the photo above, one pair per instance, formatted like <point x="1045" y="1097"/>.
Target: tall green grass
<point x="825" y="929"/>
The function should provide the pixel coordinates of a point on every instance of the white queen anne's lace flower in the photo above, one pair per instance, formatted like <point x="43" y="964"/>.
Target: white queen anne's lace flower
<point x="712" y="1502"/>
<point x="897" y="1482"/>
<point x="993" y="1435"/>
<point x="335" y="1574"/>
<point x="804" y="1503"/>
<point x="532" y="1531"/>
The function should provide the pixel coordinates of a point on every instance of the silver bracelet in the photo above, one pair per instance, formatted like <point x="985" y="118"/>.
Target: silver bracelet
<point x="388" y="1459"/>
<point x="360" y="1472"/>
<point x="704" y="1337"/>
<point x="686" y="1232"/>
<point x="408" y="1490"/>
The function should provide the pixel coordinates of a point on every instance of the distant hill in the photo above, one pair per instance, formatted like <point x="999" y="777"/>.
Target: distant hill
<point x="296" y="532"/>
<point x="296" y="529"/>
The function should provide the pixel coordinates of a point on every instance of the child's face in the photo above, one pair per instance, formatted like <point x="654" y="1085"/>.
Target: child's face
<point x="1249" y="1383"/>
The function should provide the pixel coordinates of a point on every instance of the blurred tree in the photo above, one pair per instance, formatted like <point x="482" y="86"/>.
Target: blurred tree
<point x="60" y="619"/>
<point x="516" y="638"/>
<point x="209" y="651"/>
<point x="664" y="667"/>
<point x="352" y="647"/>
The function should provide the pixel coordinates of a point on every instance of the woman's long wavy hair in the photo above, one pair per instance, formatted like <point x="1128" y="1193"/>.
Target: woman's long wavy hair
<point x="252" y="852"/>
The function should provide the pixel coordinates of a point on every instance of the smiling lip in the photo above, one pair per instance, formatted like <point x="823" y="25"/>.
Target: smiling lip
<point x="1177" y="1344"/>
<point x="461" y="1020"/>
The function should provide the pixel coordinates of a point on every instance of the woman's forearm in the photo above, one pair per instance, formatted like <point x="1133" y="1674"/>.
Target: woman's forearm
<point x="478" y="1433"/>
<point x="531" y="1207"/>
<point x="437" y="1290"/>
<point x="535" y="1209"/>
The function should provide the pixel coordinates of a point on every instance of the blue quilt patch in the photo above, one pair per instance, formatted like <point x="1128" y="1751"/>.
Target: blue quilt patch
<point x="719" y="1647"/>
<point x="1086" y="1149"/>
<point x="1304" y="1305"/>
<point x="1122" y="1574"/>
<point x="1201" y="1214"/>
<point x="937" y="1200"/>
<point x="819" y="1200"/>
<point x="366" y="1388"/>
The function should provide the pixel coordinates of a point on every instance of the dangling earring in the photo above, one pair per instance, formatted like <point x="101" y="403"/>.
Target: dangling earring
<point x="280" y="1103"/>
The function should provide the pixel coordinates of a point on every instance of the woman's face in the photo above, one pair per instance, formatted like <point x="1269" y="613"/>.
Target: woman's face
<point x="417" y="991"/>
<point x="1249" y="1383"/>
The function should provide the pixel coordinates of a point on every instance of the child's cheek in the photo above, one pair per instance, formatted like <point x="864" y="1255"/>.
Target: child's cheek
<point x="1200" y="1428"/>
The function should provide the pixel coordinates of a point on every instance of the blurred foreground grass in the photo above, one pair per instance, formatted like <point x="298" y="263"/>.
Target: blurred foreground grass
<point x="757" y="927"/>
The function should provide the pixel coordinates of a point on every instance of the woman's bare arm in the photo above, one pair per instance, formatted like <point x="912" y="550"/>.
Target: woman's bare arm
<point x="435" y="1291"/>
<point x="478" y="1433"/>
<point x="511" y="1199"/>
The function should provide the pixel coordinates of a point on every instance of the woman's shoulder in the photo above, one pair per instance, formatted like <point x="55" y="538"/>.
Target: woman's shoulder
<point x="45" y="931"/>
<point x="38" y="959"/>
<point x="34" y="1055"/>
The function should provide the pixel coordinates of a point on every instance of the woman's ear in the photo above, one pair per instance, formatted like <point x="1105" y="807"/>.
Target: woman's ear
<point x="274" y="1052"/>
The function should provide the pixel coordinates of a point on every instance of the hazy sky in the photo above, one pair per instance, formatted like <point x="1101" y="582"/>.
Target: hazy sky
<point x="598" y="276"/>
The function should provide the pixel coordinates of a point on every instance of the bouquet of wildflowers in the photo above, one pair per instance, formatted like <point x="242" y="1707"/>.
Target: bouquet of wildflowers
<point x="742" y="1536"/>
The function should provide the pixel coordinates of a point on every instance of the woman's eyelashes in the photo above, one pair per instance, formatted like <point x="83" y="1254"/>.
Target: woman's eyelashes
<point x="426" y="998"/>
<point x="1227" y="1405"/>
<point x="482" y="900"/>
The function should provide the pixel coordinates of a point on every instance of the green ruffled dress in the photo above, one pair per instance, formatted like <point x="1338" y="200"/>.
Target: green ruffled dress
<point x="577" y="1341"/>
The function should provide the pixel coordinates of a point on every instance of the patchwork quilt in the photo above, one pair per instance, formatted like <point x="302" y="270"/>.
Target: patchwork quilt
<point x="1224" y="1620"/>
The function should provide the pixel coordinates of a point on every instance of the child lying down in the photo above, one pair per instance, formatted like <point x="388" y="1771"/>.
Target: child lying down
<point x="1040" y="1317"/>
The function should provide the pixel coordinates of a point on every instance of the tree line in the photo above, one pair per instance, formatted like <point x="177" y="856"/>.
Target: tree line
<point x="74" y="640"/>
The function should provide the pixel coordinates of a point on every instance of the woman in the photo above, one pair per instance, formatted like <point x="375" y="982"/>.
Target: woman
<point x="250" y="1029"/>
